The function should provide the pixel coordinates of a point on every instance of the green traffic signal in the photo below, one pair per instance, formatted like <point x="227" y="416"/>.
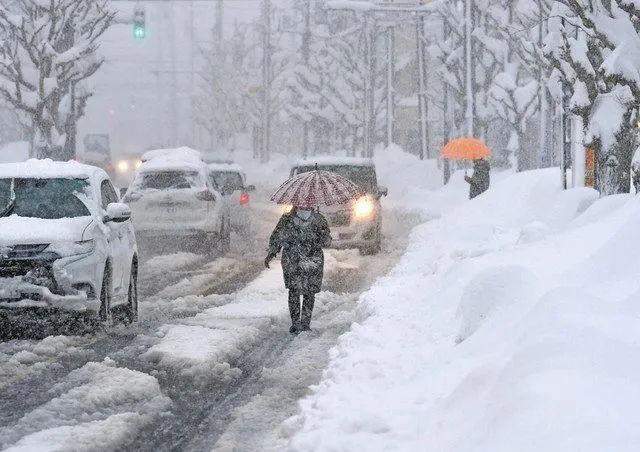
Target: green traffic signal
<point x="139" y="31"/>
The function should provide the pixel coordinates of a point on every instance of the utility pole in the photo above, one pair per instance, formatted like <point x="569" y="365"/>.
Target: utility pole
<point x="367" y="150"/>
<point x="306" y="50"/>
<point x="173" y="114"/>
<point x="469" y="75"/>
<point x="445" y="111"/>
<point x="391" y="63"/>
<point x="542" y="92"/>
<point x="422" y="93"/>
<point x="266" y="80"/>
<point x="192" y="81"/>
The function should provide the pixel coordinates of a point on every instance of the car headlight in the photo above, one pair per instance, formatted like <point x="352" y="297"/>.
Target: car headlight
<point x="123" y="166"/>
<point x="287" y="208"/>
<point x="68" y="249"/>
<point x="363" y="208"/>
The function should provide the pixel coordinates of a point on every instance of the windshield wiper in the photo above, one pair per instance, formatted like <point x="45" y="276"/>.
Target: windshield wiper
<point x="12" y="201"/>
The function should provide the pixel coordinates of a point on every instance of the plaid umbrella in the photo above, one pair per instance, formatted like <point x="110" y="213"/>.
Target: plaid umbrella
<point x="316" y="188"/>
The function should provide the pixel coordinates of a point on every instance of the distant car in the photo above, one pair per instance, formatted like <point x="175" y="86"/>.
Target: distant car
<point x="97" y="152"/>
<point x="172" y="198"/>
<point x="125" y="168"/>
<point x="65" y="240"/>
<point x="358" y="224"/>
<point x="231" y="181"/>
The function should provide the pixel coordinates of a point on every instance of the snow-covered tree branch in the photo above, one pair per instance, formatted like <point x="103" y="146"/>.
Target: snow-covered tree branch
<point x="595" y="52"/>
<point x="48" y="48"/>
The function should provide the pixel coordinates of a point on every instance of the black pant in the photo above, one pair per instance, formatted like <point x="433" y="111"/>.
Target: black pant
<point x="301" y="320"/>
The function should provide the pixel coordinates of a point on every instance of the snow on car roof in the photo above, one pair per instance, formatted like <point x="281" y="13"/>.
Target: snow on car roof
<point x="47" y="169"/>
<point x="333" y="160"/>
<point x="183" y="152"/>
<point x="233" y="167"/>
<point x="165" y="163"/>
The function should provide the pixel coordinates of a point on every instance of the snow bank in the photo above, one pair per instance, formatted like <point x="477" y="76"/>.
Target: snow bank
<point x="409" y="179"/>
<point x="97" y="407"/>
<point x="482" y="341"/>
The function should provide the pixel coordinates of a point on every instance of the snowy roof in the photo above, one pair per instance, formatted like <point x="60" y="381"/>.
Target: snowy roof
<point x="46" y="169"/>
<point x="333" y="160"/>
<point x="232" y="167"/>
<point x="183" y="152"/>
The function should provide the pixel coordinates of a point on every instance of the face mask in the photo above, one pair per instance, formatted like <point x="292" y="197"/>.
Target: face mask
<point x="303" y="214"/>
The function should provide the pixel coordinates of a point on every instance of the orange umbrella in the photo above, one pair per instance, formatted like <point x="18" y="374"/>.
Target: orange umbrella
<point x="465" y="149"/>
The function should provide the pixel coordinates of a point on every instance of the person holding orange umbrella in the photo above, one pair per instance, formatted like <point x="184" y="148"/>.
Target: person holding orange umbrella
<point x="471" y="149"/>
<point x="479" y="182"/>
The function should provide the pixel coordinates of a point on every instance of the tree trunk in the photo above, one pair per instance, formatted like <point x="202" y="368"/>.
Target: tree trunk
<point x="613" y="166"/>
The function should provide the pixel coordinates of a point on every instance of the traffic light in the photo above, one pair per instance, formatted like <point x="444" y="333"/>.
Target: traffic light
<point x="139" y="23"/>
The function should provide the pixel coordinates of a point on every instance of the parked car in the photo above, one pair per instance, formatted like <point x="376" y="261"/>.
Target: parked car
<point x="358" y="224"/>
<point x="231" y="181"/>
<point x="173" y="199"/>
<point x="66" y="242"/>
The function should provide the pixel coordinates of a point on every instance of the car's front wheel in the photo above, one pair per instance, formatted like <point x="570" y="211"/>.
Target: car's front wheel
<point x="131" y="312"/>
<point x="106" y="293"/>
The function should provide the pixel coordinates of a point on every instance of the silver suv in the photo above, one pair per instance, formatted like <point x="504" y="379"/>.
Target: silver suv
<point x="358" y="224"/>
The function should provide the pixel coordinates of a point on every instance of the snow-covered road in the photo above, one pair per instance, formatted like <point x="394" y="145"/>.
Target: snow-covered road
<point x="210" y="365"/>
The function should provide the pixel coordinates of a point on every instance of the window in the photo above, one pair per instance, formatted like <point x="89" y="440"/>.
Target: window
<point x="362" y="176"/>
<point x="108" y="194"/>
<point x="45" y="198"/>
<point x="227" y="180"/>
<point x="170" y="180"/>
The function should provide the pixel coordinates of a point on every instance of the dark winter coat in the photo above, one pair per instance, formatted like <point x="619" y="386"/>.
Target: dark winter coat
<point x="301" y="243"/>
<point x="479" y="181"/>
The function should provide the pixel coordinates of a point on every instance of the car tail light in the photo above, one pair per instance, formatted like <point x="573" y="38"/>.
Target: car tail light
<point x="244" y="198"/>
<point x="206" y="196"/>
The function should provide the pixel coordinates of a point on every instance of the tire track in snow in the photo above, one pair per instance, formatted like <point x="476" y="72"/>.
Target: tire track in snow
<point x="27" y="392"/>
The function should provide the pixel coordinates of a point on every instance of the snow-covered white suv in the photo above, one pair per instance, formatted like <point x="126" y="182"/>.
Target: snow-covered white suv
<point x="173" y="200"/>
<point x="66" y="241"/>
<point x="358" y="224"/>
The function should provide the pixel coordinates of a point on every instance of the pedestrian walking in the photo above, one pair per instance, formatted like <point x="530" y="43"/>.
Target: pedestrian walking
<point x="300" y="235"/>
<point x="479" y="181"/>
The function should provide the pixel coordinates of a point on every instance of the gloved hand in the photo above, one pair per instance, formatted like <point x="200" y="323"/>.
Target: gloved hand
<point x="268" y="259"/>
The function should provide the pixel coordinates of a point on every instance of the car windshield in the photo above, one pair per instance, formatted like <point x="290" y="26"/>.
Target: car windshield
<point x="170" y="180"/>
<point x="227" y="180"/>
<point x="44" y="198"/>
<point x="362" y="176"/>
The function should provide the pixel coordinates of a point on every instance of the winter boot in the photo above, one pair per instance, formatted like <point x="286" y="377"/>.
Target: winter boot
<point x="307" y="309"/>
<point x="294" y="310"/>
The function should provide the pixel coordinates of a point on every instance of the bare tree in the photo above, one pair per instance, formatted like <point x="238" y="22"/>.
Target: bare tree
<point x="48" y="48"/>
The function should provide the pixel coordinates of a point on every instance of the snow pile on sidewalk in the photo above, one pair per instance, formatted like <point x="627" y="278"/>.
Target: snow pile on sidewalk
<point x="509" y="325"/>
